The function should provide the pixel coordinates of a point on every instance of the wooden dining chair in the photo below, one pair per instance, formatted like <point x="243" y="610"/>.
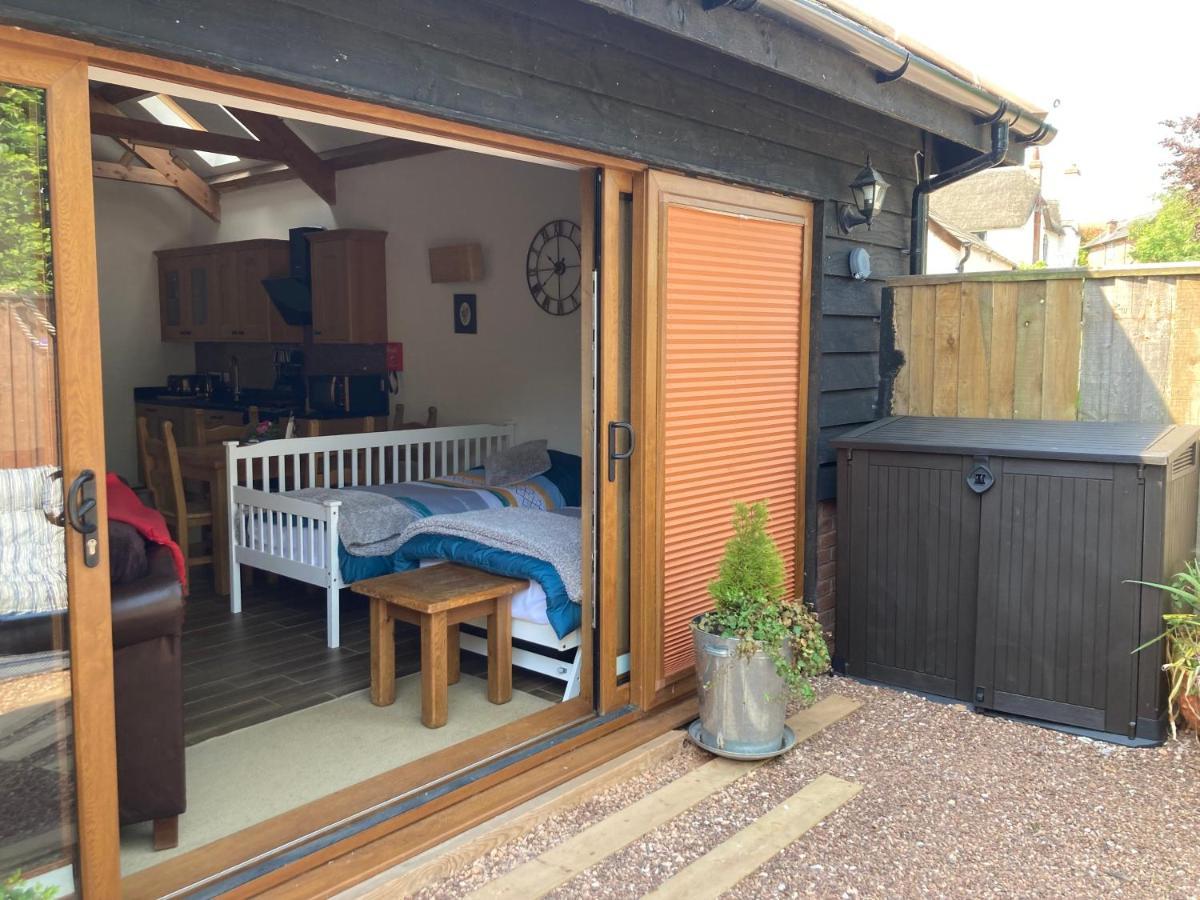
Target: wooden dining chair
<point x="218" y="434"/>
<point x="398" y="423"/>
<point x="183" y="513"/>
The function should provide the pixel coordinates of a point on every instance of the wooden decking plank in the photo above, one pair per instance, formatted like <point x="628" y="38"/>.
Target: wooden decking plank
<point x="561" y="863"/>
<point x="732" y="860"/>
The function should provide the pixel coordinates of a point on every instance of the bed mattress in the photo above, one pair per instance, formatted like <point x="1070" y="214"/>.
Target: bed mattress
<point x="529" y="604"/>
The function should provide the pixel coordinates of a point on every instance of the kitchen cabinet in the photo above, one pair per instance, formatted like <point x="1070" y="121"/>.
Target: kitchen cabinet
<point x="349" y="286"/>
<point x="215" y="293"/>
<point x="246" y="311"/>
<point x="187" y="294"/>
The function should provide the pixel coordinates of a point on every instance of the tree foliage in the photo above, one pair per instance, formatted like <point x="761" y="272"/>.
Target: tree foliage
<point x="1171" y="235"/>
<point x="1183" y="171"/>
<point x="24" y="222"/>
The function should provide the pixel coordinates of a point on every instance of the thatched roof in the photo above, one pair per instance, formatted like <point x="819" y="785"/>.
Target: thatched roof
<point x="996" y="198"/>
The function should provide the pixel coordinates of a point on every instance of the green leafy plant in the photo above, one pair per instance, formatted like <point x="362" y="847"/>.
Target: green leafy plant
<point x="1181" y="632"/>
<point x="751" y="605"/>
<point x="13" y="888"/>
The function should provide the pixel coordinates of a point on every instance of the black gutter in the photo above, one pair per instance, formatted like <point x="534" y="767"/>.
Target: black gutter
<point x="919" y="235"/>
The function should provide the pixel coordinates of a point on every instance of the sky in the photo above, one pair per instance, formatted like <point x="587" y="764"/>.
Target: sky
<point x="1116" y="69"/>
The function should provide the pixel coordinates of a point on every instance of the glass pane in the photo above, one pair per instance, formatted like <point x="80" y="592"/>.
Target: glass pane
<point x="624" y="412"/>
<point x="37" y="814"/>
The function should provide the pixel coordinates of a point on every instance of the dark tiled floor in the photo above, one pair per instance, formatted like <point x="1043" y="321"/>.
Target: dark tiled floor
<point x="272" y="659"/>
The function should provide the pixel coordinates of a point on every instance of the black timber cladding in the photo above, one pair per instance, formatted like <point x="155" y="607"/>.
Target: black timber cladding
<point x="573" y="73"/>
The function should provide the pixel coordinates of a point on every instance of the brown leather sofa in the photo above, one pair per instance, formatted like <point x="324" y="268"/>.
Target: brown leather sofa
<point x="147" y="627"/>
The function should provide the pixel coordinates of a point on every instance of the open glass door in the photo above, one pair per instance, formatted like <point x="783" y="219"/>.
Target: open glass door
<point x="58" y="819"/>
<point x="617" y="436"/>
<point x="720" y="369"/>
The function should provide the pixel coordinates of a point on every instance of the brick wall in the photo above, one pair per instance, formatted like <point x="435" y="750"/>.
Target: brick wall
<point x="823" y="598"/>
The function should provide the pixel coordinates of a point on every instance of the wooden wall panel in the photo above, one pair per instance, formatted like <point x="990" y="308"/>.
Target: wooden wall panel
<point x="733" y="298"/>
<point x="1092" y="347"/>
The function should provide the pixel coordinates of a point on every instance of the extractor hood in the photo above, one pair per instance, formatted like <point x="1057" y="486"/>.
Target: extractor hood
<point x="292" y="294"/>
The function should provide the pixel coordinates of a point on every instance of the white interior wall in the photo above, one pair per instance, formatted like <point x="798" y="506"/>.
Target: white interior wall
<point x="132" y="221"/>
<point x="523" y="364"/>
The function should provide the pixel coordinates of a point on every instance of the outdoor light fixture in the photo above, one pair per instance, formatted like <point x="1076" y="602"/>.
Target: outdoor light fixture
<point x="869" y="189"/>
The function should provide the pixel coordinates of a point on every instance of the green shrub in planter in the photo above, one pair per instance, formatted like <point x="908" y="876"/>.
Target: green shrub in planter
<point x="751" y="606"/>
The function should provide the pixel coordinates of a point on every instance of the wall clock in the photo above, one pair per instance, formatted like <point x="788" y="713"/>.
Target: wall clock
<point x="553" y="267"/>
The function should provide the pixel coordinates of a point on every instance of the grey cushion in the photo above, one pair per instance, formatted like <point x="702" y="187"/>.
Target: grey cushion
<point x="518" y="463"/>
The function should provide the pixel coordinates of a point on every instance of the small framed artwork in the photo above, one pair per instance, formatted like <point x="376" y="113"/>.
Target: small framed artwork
<point x="464" y="314"/>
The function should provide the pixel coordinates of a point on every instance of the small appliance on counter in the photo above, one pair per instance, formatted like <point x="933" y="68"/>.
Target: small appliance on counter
<point x="181" y="385"/>
<point x="289" y="375"/>
<point x="352" y="395"/>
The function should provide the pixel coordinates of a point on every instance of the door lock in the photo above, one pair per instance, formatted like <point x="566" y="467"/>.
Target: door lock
<point x="81" y="515"/>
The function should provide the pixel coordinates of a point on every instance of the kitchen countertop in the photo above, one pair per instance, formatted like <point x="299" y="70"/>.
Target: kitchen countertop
<point x="264" y="400"/>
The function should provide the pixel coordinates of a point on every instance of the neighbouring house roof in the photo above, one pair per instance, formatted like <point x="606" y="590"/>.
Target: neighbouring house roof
<point x="996" y="198"/>
<point x="965" y="239"/>
<point x="1120" y="233"/>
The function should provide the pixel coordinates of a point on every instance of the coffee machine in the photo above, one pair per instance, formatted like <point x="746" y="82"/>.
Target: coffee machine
<point x="289" y="375"/>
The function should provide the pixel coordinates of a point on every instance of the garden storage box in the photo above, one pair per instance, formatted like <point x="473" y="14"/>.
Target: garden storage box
<point x="989" y="560"/>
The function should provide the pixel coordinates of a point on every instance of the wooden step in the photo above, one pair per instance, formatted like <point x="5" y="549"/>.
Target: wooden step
<point x="729" y="862"/>
<point x="561" y="863"/>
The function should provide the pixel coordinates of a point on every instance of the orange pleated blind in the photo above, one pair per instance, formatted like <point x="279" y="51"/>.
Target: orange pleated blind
<point x="733" y="297"/>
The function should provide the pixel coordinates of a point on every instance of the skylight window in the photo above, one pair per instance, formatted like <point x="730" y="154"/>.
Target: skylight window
<point x="168" y="112"/>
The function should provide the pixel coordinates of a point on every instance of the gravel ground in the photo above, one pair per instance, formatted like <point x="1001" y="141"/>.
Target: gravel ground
<point x="953" y="804"/>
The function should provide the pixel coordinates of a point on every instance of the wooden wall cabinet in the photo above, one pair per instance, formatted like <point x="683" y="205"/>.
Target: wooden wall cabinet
<point x="215" y="293"/>
<point x="349" y="286"/>
<point x="188" y="294"/>
<point x="246" y="311"/>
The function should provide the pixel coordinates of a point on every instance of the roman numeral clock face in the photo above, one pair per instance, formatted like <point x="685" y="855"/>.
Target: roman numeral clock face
<point x="553" y="268"/>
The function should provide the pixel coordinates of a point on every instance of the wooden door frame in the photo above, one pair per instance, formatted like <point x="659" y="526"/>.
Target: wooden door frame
<point x="81" y="446"/>
<point x="654" y="192"/>
<point x="69" y="61"/>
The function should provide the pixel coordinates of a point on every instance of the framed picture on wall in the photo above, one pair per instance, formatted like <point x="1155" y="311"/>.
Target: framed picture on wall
<point x="464" y="314"/>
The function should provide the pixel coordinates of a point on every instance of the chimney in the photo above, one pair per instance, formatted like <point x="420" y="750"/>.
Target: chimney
<point x="1035" y="164"/>
<point x="1112" y="226"/>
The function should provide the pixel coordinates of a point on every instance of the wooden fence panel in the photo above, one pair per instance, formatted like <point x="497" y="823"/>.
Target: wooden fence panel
<point x="1089" y="345"/>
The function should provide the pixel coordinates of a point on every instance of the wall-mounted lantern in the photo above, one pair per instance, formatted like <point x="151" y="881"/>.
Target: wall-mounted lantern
<point x="869" y="189"/>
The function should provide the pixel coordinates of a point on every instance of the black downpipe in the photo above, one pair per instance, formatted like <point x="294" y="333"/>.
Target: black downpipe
<point x="918" y="237"/>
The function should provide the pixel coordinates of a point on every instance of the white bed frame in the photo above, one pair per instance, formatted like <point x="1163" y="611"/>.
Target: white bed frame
<point x="259" y="474"/>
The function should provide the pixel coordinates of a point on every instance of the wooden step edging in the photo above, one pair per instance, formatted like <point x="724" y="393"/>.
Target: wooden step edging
<point x="456" y="855"/>
<point x="562" y="862"/>
<point x="729" y="862"/>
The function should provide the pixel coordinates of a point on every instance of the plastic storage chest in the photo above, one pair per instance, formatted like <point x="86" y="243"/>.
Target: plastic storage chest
<point x="989" y="560"/>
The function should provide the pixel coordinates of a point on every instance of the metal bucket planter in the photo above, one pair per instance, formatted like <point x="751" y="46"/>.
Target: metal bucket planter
<point x="743" y="700"/>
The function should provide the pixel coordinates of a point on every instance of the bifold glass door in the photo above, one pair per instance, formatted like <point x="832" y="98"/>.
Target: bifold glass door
<point x="53" y="588"/>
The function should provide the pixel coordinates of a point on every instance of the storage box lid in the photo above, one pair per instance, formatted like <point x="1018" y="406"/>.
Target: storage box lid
<point x="1114" y="442"/>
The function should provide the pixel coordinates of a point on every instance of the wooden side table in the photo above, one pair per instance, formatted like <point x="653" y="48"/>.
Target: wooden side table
<point x="437" y="599"/>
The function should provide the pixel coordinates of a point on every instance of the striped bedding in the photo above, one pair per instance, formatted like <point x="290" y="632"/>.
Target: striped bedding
<point x="33" y="576"/>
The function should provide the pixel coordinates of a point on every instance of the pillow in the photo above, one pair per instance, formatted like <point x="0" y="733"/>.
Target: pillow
<point x="566" y="473"/>
<point x="518" y="463"/>
<point x="126" y="553"/>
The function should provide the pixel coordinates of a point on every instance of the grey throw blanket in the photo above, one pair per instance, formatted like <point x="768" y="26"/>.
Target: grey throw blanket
<point x="369" y="524"/>
<point x="530" y="532"/>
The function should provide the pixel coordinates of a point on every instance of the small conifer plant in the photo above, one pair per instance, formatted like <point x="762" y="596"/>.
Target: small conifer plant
<point x="751" y="605"/>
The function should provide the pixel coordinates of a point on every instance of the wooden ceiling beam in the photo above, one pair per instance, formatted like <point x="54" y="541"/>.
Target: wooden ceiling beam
<point x="355" y="155"/>
<point x="137" y="174"/>
<point x="156" y="134"/>
<point x="187" y="182"/>
<point x="292" y="150"/>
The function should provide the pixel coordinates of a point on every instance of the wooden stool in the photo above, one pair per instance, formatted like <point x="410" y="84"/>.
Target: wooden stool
<point x="437" y="599"/>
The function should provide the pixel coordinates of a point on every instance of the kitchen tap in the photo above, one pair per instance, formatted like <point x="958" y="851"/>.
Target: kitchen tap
<point x="235" y="376"/>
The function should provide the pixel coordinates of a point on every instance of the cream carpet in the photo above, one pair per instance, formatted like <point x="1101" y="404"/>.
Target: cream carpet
<point x="238" y="779"/>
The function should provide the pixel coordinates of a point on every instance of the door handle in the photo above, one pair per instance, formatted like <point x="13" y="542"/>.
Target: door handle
<point x="81" y="514"/>
<point x="615" y="455"/>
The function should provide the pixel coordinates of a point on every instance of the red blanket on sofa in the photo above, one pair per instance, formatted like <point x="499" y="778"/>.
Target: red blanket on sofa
<point x="124" y="506"/>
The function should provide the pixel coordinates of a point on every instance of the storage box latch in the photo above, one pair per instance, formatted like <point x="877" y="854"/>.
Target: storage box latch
<point x="980" y="478"/>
